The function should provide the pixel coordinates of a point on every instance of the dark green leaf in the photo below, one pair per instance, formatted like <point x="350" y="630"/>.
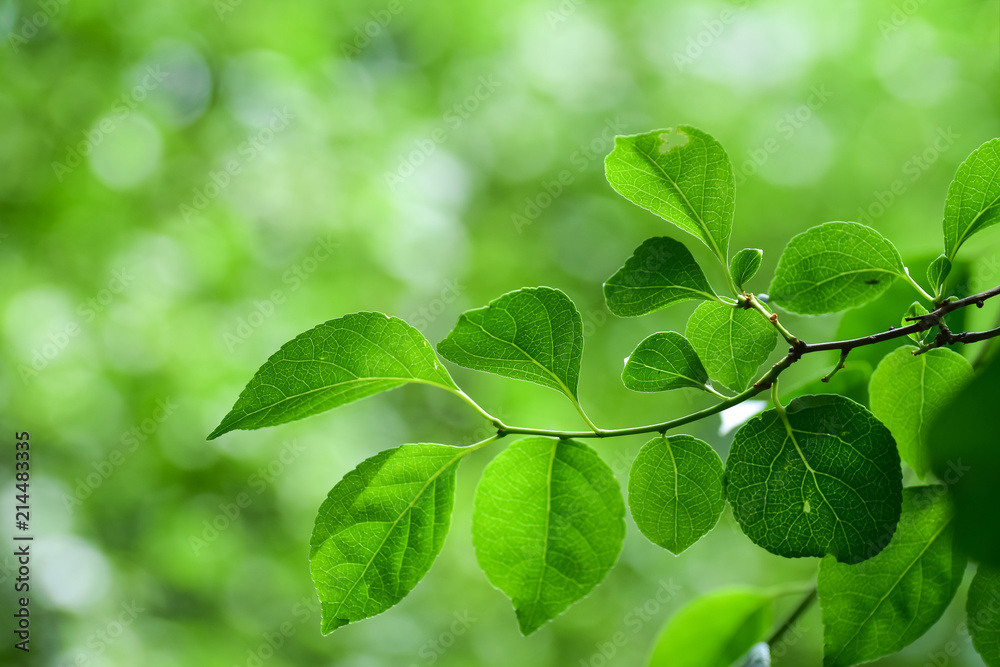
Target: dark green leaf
<point x="380" y="529"/>
<point x="664" y="361"/>
<point x="714" y="630"/>
<point x="744" y="265"/>
<point x="983" y="608"/>
<point x="833" y="267"/>
<point x="880" y="606"/>
<point x="682" y="175"/>
<point x="660" y="272"/>
<point x="339" y="361"/>
<point x="731" y="341"/>
<point x="938" y="272"/>
<point x="548" y="524"/>
<point x="973" y="202"/>
<point x="827" y="482"/>
<point x="907" y="392"/>
<point x="916" y="309"/>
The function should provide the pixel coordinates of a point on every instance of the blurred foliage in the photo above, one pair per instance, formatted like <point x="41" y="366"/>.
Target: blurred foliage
<point x="186" y="186"/>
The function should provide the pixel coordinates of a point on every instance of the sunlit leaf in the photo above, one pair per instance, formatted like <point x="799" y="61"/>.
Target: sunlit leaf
<point x="664" y="361"/>
<point x="938" y="272"/>
<point x="744" y="265"/>
<point x="732" y="342"/>
<point x="973" y="202"/>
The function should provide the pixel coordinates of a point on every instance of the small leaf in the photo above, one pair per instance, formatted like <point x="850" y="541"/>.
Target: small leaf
<point x="827" y="482"/>
<point x="664" y="361"/>
<point x="744" y="265"/>
<point x="833" y="267"/>
<point x="962" y="442"/>
<point x="533" y="334"/>
<point x="548" y="525"/>
<point x="907" y="392"/>
<point x="676" y="491"/>
<point x="714" y="630"/>
<point x="731" y="341"/>
<point x="682" y="175"/>
<point x="660" y="272"/>
<point x="938" y="272"/>
<point x="380" y="529"/>
<point x="983" y="608"/>
<point x="915" y="310"/>
<point x="973" y="201"/>
<point x="337" y="362"/>
<point x="880" y="606"/>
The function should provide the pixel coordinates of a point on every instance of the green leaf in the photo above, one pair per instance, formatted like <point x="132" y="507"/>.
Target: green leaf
<point x="380" y="529"/>
<point x="660" y="272"/>
<point x="878" y="607"/>
<point x="339" y="361"/>
<point x="826" y="482"/>
<point x="744" y="265"/>
<point x="682" y="175"/>
<point x="937" y="273"/>
<point x="731" y="341"/>
<point x="664" y="361"/>
<point x="676" y="491"/>
<point x="533" y="334"/>
<point x="916" y="309"/>
<point x="973" y="201"/>
<point x="962" y="443"/>
<point x="714" y="630"/>
<point x="908" y="391"/>
<point x="983" y="608"/>
<point x="833" y="267"/>
<point x="548" y="525"/>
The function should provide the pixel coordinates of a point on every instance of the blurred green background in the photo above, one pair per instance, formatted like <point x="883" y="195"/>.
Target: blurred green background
<point x="186" y="186"/>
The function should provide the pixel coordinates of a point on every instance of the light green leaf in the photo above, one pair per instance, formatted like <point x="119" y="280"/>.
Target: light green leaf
<point x="880" y="606"/>
<point x="827" y="482"/>
<point x="983" y="608"/>
<point x="965" y="455"/>
<point x="380" y="529"/>
<point x="664" y="361"/>
<point x="682" y="175"/>
<point x="833" y="267"/>
<point x="533" y="334"/>
<point x="548" y="525"/>
<point x="714" y="630"/>
<point x="676" y="491"/>
<point x="908" y="391"/>
<point x="731" y="341"/>
<point x="937" y="273"/>
<point x="339" y="361"/>
<point x="660" y="272"/>
<point x="915" y="310"/>
<point x="744" y="265"/>
<point x="973" y="201"/>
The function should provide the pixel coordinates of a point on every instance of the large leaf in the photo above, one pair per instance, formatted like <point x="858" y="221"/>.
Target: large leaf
<point x="676" y="491"/>
<point x="973" y="202"/>
<point x="907" y="392"/>
<point x="533" y="334"/>
<point x="827" y="482"/>
<point x="983" y="608"/>
<point x="664" y="361"/>
<point x="548" y="524"/>
<point x="337" y="362"/>
<point x="965" y="455"/>
<point x="731" y="341"/>
<point x="682" y="175"/>
<point x="660" y="272"/>
<point x="878" y="607"/>
<point x="744" y="265"/>
<point x="714" y="630"/>
<point x="834" y="266"/>
<point x="380" y="529"/>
